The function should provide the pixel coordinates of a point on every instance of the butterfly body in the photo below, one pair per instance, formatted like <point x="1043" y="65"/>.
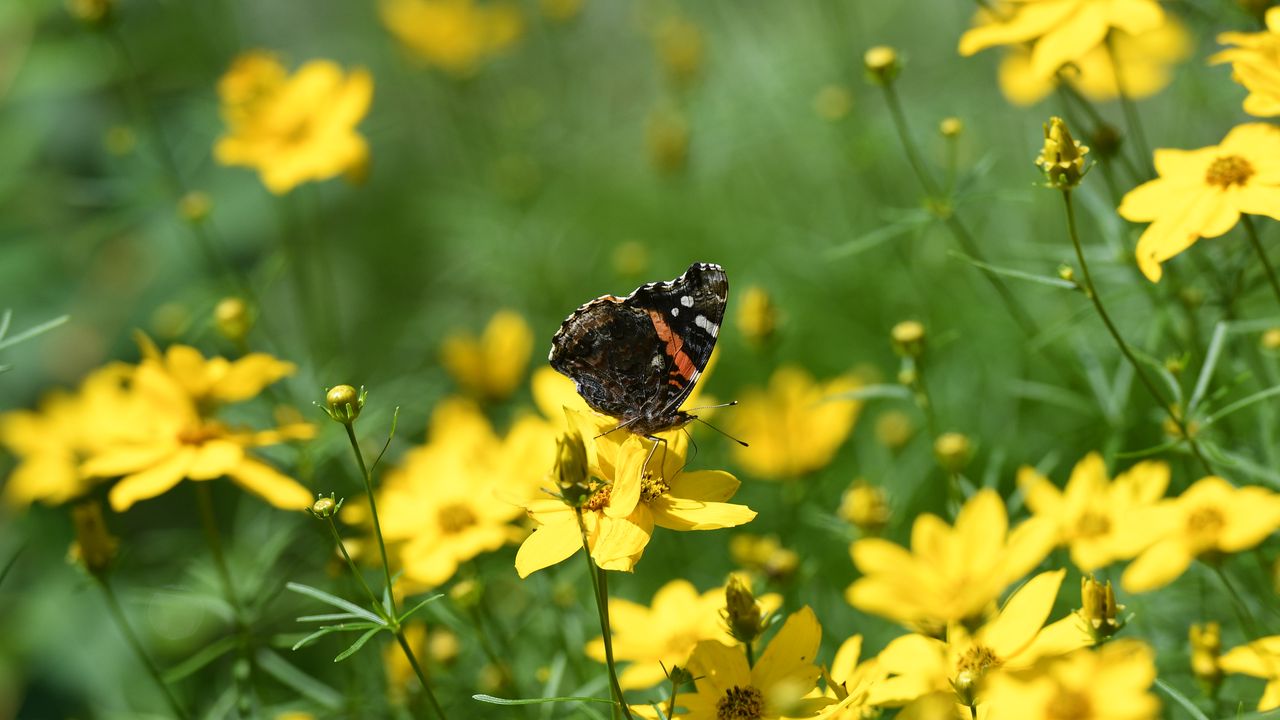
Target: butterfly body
<point x="637" y="358"/>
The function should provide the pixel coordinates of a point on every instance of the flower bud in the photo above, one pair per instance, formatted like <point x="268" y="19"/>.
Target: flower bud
<point x="679" y="676"/>
<point x="882" y="64"/>
<point x="866" y="507"/>
<point x="467" y="594"/>
<point x="1062" y="158"/>
<point x="1105" y="140"/>
<point x="1098" y="609"/>
<point x="94" y="548"/>
<point x="325" y="507"/>
<point x="1271" y="339"/>
<point x="443" y="646"/>
<point x="572" y="470"/>
<point x="667" y="135"/>
<point x="344" y="403"/>
<point x="951" y="127"/>
<point x="91" y="12"/>
<point x="195" y="206"/>
<point x="894" y="429"/>
<point x="741" y="612"/>
<point x="1206" y="648"/>
<point x="233" y="318"/>
<point x="908" y="338"/>
<point x="952" y="451"/>
<point x="757" y="316"/>
<point x="680" y="48"/>
<point x="1066" y="272"/>
<point x="763" y="554"/>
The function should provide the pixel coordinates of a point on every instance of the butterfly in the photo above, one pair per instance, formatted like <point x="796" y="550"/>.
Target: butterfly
<point x="637" y="358"/>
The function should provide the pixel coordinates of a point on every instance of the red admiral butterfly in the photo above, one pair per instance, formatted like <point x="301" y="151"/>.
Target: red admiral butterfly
<point x="637" y="358"/>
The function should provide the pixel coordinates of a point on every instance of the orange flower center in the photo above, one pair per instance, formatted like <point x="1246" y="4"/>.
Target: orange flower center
<point x="1069" y="705"/>
<point x="201" y="433"/>
<point x="1204" y="524"/>
<point x="454" y="518"/>
<point x="1229" y="170"/>
<point x="740" y="703"/>
<point x="599" y="499"/>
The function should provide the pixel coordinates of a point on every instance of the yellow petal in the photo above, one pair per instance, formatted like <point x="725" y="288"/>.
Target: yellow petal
<point x="1071" y="39"/>
<point x="676" y="513"/>
<point x="1030" y="21"/>
<point x="216" y="458"/>
<point x="623" y="538"/>
<point x="125" y="459"/>
<point x="246" y="377"/>
<point x="1023" y="615"/>
<point x="153" y="481"/>
<point x="1247" y="660"/>
<point x="846" y="659"/>
<point x="790" y="655"/>
<point x="706" y="485"/>
<point x="1156" y="567"/>
<point x="546" y="546"/>
<point x="270" y="484"/>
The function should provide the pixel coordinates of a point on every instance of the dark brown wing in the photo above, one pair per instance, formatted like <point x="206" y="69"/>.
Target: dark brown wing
<point x="611" y="351"/>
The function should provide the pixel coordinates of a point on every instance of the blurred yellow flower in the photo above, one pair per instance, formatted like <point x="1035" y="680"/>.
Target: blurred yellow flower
<point x="951" y="574"/>
<point x="1202" y="193"/>
<point x="178" y="436"/>
<point x="850" y="683"/>
<point x="631" y="493"/>
<point x="51" y="442"/>
<point x="1260" y="658"/>
<point x="1255" y="64"/>
<point x="1206" y="655"/>
<point x="763" y="555"/>
<point x="1210" y="516"/>
<point x="775" y="687"/>
<point x="680" y="46"/>
<point x="1112" y="682"/>
<point x="454" y="35"/>
<point x="666" y="134"/>
<point x="865" y="506"/>
<point x="293" y="128"/>
<point x="757" y="315"/>
<point x="1091" y="509"/>
<point x="664" y="634"/>
<point x="795" y="426"/>
<point x="1059" y="31"/>
<point x="1146" y="66"/>
<point x="490" y="366"/>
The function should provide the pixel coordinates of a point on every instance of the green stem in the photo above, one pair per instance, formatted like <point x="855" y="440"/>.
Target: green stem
<point x="751" y="654"/>
<point x="373" y="511"/>
<point x="337" y="538"/>
<point x="1138" y="370"/>
<point x="486" y="645"/>
<point x="209" y="520"/>
<point x="599" y="583"/>
<point x="122" y="623"/>
<point x="422" y="676"/>
<point x="1131" y="118"/>
<point x="1252" y="232"/>
<point x="1242" y="610"/>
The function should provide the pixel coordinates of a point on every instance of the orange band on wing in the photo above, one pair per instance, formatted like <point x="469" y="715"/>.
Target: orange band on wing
<point x="675" y="347"/>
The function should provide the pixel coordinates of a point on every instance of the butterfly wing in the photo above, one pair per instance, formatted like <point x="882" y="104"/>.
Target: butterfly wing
<point x="609" y="348"/>
<point x="686" y="314"/>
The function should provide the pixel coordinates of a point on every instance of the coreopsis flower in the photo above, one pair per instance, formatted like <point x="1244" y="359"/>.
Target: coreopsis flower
<point x="636" y="485"/>
<point x="951" y="574"/>
<point x="490" y="366"/>
<point x="775" y="687"/>
<point x="1059" y="31"/>
<point x="1212" y="516"/>
<point x="664" y="634"/>
<point x="1255" y="64"/>
<point x="763" y="555"/>
<point x="1112" y="682"/>
<point x="51" y="442"/>
<point x="457" y="36"/>
<point x="293" y="128"/>
<point x="757" y="315"/>
<point x="922" y="668"/>
<point x="850" y="682"/>
<point x="865" y="506"/>
<point x="1260" y="658"/>
<point x="795" y="425"/>
<point x="1145" y="63"/>
<point x="1206" y="656"/>
<point x="1090" y="511"/>
<point x="1202" y="193"/>
<point x="179" y="436"/>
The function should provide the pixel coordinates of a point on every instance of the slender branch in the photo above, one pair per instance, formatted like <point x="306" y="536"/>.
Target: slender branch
<point x="209" y="520"/>
<point x="373" y="597"/>
<point x="1252" y="232"/>
<point x="1131" y="117"/>
<point x="422" y="676"/>
<point x="122" y="622"/>
<point x="373" y="511"/>
<point x="600" y="586"/>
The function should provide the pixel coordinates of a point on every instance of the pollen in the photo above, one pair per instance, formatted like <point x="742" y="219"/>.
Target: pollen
<point x="977" y="660"/>
<point x="1229" y="170"/>
<point x="740" y="703"/>
<point x="599" y="499"/>
<point x="454" y="518"/>
<point x="651" y="487"/>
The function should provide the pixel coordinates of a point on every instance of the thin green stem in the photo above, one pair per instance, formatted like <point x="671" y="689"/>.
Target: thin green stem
<point x="1092" y="291"/>
<point x="122" y="623"/>
<point x="208" y="518"/>
<point x="599" y="584"/>
<point x="1131" y="118"/>
<point x="422" y="676"/>
<point x="1252" y="232"/>
<point x="373" y="511"/>
<point x="486" y="645"/>
<point x="1242" y="610"/>
<point x="751" y="654"/>
<point x="337" y="538"/>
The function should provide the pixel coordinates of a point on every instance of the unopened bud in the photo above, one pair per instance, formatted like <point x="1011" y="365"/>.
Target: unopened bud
<point x="1098" y="609"/>
<point x="952" y="451"/>
<point x="467" y="594"/>
<point x="1062" y="157"/>
<point x="344" y="403"/>
<point x="1271" y="339"/>
<point x="866" y="507"/>
<point x="233" y="318"/>
<point x="195" y="206"/>
<point x="951" y="127"/>
<point x="882" y="64"/>
<point x="742" y="614"/>
<point x="92" y="12"/>
<point x="325" y="507"/>
<point x="757" y="316"/>
<point x="908" y="338"/>
<point x="572" y="471"/>
<point x="1206" y="648"/>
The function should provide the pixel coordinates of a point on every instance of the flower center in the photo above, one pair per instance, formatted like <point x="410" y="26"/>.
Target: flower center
<point x="1204" y="524"/>
<point x="651" y="488"/>
<point x="454" y="518"/>
<point x="1229" y="170"/>
<point x="1069" y="705"/>
<point x="740" y="703"/>
<point x="976" y="661"/>
<point x="200" y="433"/>
<point x="1093" y="524"/>
<point x="599" y="499"/>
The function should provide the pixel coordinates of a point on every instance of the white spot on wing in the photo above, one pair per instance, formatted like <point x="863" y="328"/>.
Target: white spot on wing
<point x="675" y="312"/>
<point x="711" y="328"/>
<point x="686" y="301"/>
<point x="657" y="362"/>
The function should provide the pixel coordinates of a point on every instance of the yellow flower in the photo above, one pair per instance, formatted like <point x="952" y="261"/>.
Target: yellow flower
<point x="1090" y="511"/>
<point x="1146" y="67"/>
<point x="664" y="635"/>
<point x="774" y="687"/>
<point x="1210" y="517"/>
<point x="1112" y="682"/>
<point x="491" y="366"/>
<point x="1059" y="31"/>
<point x="1260" y="658"/>
<point x="1202" y="193"/>
<point x="1206" y="655"/>
<point x="763" y="554"/>
<point x="850" y="683"/>
<point x="179" y="437"/>
<point x="293" y="128"/>
<point x="454" y="35"/>
<point x="757" y="315"/>
<point x="633" y="493"/>
<point x="865" y="506"/>
<point x="51" y="442"/>
<point x="795" y="426"/>
<point x="1255" y="63"/>
<point x="951" y="574"/>
<point x="1014" y="638"/>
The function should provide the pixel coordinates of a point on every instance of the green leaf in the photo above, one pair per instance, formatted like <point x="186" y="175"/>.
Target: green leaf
<point x="867" y="392"/>
<point x="11" y="562"/>
<point x="1182" y="700"/>
<point x="538" y="701"/>
<point x="358" y="644"/>
<point x="395" y="419"/>
<point x="419" y="606"/>
<point x="350" y="627"/>
<point x="1051" y="395"/>
<point x="1016" y="274"/>
<point x="1206" y="370"/>
<point x="1242" y="403"/>
<point x="30" y="332"/>
<point x="206" y="655"/>
<point x="335" y="601"/>
<point x="329" y="617"/>
<point x="284" y="671"/>
<point x="870" y="240"/>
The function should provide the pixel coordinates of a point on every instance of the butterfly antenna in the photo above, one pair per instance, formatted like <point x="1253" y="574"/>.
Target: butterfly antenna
<point x="713" y="427"/>
<point x="731" y="403"/>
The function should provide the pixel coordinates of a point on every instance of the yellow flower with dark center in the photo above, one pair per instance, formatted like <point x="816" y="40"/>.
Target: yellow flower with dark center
<point x="795" y="425"/>
<point x="1059" y="31"/>
<point x="951" y="574"/>
<point x="921" y="668"/>
<point x="638" y="485"/>
<point x="1145" y="62"/>
<point x="775" y="687"/>
<point x="1260" y="658"/>
<point x="457" y="36"/>
<point x="664" y="634"/>
<point x="1112" y="682"/>
<point x="1255" y="64"/>
<point x="293" y="128"/>
<point x="490" y="366"/>
<point x="1210" y="517"/>
<point x="51" y="442"/>
<point x="179" y="437"/>
<point x="1090" y="511"/>
<point x="1202" y="193"/>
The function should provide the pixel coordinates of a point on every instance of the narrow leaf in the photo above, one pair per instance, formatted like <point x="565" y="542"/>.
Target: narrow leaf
<point x="288" y="674"/>
<point x="358" y="644"/>
<point x="1210" y="362"/>
<point x="329" y="617"/>
<point x="867" y="392"/>
<point x="1242" y="403"/>
<point x="538" y="701"/>
<point x="1182" y="700"/>
<point x="335" y="601"/>
<point x="420" y="605"/>
<point x="395" y="419"/>
<point x="32" y="332"/>
<point x="330" y="629"/>
<point x="206" y="655"/>
<point x="1016" y="274"/>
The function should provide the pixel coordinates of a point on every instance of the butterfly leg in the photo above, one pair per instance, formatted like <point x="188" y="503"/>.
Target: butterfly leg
<point x="656" y="442"/>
